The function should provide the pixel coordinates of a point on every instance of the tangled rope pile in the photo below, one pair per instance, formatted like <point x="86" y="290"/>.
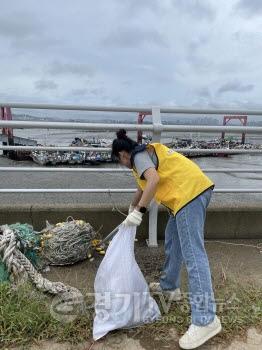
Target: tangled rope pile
<point x="67" y="242"/>
<point x="28" y="242"/>
<point x="18" y="266"/>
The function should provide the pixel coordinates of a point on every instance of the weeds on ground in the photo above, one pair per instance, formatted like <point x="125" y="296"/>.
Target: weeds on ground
<point x="239" y="307"/>
<point x="25" y="315"/>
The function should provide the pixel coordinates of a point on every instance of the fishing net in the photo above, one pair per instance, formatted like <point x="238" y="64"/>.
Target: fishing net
<point x="28" y="242"/>
<point x="4" y="275"/>
<point x="66" y="242"/>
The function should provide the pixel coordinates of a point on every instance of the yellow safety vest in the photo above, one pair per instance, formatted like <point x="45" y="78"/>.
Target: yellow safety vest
<point x="181" y="180"/>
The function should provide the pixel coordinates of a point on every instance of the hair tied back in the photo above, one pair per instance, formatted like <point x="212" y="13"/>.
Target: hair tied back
<point x="121" y="134"/>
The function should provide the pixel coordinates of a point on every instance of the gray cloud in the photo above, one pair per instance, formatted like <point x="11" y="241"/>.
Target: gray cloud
<point x="249" y="7"/>
<point x="26" y="33"/>
<point x="79" y="92"/>
<point x="36" y="44"/>
<point x="45" y="85"/>
<point x="196" y="8"/>
<point x="204" y="92"/>
<point x="19" y="25"/>
<point x="135" y="7"/>
<point x="79" y="69"/>
<point x="235" y="86"/>
<point x="200" y="62"/>
<point x="97" y="91"/>
<point x="133" y="37"/>
<point x="197" y="43"/>
<point x="131" y="52"/>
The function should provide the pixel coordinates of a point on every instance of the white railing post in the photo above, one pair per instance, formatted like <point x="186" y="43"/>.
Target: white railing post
<point x="153" y="210"/>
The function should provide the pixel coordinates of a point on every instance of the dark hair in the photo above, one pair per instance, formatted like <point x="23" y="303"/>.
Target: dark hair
<point x="122" y="143"/>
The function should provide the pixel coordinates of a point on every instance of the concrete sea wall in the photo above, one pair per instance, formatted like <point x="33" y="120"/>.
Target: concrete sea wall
<point x="221" y="222"/>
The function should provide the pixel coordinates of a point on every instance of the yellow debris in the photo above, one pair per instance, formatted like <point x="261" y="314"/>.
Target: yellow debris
<point x="80" y="222"/>
<point x="96" y="242"/>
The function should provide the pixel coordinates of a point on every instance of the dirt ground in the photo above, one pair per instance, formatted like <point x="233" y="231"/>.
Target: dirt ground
<point x="242" y="262"/>
<point x="253" y="341"/>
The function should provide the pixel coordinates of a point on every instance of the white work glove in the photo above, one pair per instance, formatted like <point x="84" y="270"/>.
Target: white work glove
<point x="133" y="219"/>
<point x="131" y="209"/>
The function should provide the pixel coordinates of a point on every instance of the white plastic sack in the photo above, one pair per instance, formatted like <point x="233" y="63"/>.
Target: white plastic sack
<point x="122" y="298"/>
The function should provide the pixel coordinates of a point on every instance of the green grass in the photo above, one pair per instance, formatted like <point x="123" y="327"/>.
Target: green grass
<point x="239" y="308"/>
<point x="25" y="315"/>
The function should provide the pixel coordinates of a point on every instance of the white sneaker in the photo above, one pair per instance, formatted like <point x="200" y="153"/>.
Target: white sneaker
<point x="174" y="295"/>
<point x="197" y="335"/>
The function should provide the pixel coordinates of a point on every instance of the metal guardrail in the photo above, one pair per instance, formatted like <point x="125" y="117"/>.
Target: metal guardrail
<point x="156" y="128"/>
<point x="148" y="109"/>
<point x="100" y="149"/>
<point x="132" y="127"/>
<point x="108" y="190"/>
<point x="117" y="170"/>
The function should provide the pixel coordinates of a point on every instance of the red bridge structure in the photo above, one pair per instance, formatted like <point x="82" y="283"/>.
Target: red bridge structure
<point x="8" y="139"/>
<point x="140" y="118"/>
<point x="7" y="133"/>
<point x="241" y="118"/>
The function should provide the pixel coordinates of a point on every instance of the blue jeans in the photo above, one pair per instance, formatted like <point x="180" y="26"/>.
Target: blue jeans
<point x="184" y="242"/>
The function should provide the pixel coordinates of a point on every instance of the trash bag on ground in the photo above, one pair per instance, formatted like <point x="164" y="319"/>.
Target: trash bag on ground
<point x="122" y="298"/>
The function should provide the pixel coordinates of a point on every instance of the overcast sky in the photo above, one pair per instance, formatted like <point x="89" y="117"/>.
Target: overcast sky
<point x="125" y="52"/>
